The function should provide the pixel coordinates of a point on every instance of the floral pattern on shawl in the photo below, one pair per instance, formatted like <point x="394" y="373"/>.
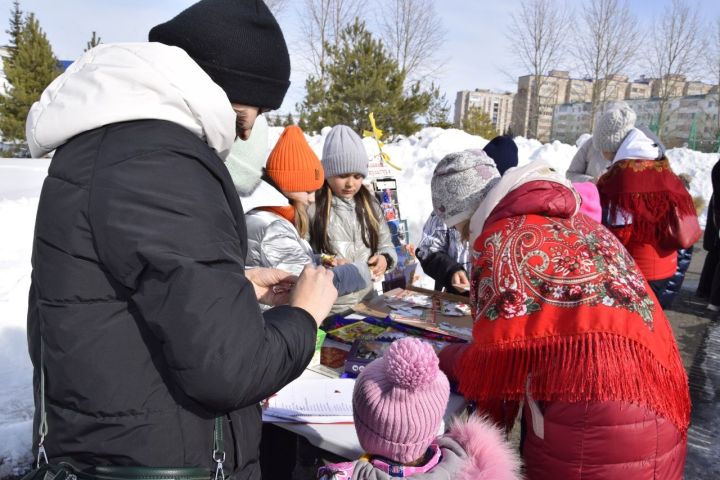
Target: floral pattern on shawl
<point x="562" y="262"/>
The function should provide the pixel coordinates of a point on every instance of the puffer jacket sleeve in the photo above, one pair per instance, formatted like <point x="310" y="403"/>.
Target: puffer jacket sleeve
<point x="282" y="248"/>
<point x="440" y="267"/>
<point x="351" y="278"/>
<point x="171" y="240"/>
<point x="432" y="252"/>
<point x="434" y="237"/>
<point x="385" y="244"/>
<point x="576" y="172"/>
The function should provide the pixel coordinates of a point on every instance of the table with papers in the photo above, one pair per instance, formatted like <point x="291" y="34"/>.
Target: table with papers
<point x="340" y="438"/>
<point x="319" y="407"/>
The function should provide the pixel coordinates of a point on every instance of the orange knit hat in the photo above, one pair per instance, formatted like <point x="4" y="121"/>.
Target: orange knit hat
<point x="293" y="165"/>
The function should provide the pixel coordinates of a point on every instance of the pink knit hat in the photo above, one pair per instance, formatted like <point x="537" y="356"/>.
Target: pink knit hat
<point x="590" y="196"/>
<point x="399" y="401"/>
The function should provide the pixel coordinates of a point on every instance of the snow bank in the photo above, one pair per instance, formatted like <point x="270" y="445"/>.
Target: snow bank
<point x="21" y="180"/>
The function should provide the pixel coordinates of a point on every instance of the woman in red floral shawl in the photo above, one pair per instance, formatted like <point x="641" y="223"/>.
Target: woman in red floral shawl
<point x="564" y="325"/>
<point x="642" y="197"/>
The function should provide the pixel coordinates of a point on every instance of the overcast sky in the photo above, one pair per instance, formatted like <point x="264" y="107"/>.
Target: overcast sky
<point x="476" y="48"/>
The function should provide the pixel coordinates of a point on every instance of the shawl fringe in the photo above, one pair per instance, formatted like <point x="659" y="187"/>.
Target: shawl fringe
<point x="587" y="367"/>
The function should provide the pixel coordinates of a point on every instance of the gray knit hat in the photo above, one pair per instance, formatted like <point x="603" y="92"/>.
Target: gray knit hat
<point x="459" y="184"/>
<point x="612" y="128"/>
<point x="344" y="153"/>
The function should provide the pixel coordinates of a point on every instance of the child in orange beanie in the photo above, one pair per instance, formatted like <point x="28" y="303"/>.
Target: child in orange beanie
<point x="276" y="233"/>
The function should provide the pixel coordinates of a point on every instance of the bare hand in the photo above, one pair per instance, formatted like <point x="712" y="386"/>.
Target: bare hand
<point x="378" y="265"/>
<point x="272" y="286"/>
<point x="315" y="292"/>
<point x="460" y="281"/>
<point x="337" y="261"/>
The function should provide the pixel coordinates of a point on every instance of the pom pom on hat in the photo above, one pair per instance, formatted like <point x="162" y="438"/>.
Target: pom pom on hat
<point x="411" y="364"/>
<point x="399" y="401"/>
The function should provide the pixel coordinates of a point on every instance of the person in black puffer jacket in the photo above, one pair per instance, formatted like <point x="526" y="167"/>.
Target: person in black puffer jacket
<point x="141" y="314"/>
<point x="709" y="285"/>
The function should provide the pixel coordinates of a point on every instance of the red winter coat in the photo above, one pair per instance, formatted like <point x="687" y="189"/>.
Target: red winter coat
<point x="584" y="440"/>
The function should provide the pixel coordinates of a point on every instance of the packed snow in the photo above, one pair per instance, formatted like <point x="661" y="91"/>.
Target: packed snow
<point x="417" y="155"/>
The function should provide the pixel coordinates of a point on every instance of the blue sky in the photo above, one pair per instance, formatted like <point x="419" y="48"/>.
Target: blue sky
<point x="476" y="50"/>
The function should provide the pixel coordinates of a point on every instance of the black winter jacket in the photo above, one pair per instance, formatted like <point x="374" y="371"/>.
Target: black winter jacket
<point x="150" y="328"/>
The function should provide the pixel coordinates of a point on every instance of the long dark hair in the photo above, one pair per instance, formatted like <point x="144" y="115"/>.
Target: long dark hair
<point x="366" y="216"/>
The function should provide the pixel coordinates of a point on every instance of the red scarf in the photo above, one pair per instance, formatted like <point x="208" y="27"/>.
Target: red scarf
<point x="561" y="302"/>
<point x="648" y="192"/>
<point x="288" y="212"/>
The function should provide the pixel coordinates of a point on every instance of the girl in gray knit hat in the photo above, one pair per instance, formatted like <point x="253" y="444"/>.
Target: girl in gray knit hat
<point x="347" y="222"/>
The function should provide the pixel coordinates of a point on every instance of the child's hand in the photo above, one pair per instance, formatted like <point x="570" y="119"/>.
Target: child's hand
<point x="460" y="281"/>
<point x="378" y="265"/>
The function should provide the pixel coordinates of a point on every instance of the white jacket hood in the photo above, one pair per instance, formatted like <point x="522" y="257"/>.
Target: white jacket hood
<point x="637" y="146"/>
<point x="512" y="179"/>
<point x="121" y="82"/>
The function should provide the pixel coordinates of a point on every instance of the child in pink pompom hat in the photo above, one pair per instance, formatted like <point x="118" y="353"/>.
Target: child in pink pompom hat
<point x="398" y="404"/>
<point x="590" y="197"/>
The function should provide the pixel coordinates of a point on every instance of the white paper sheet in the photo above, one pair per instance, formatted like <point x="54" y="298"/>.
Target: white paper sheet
<point x="313" y="397"/>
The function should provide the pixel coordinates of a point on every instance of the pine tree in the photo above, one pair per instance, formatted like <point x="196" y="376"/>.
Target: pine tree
<point x="362" y="78"/>
<point x="289" y="120"/>
<point x="16" y="26"/>
<point x="94" y="42"/>
<point x="439" y="111"/>
<point x="478" y="122"/>
<point x="31" y="71"/>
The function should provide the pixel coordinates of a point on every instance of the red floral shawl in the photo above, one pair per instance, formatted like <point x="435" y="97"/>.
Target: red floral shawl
<point x="648" y="194"/>
<point x="559" y="305"/>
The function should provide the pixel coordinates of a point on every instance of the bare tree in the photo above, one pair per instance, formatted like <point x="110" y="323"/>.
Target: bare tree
<point x="413" y="34"/>
<point x="536" y="35"/>
<point x="606" y="42"/>
<point x="276" y="6"/>
<point x="676" y="45"/>
<point x="321" y="23"/>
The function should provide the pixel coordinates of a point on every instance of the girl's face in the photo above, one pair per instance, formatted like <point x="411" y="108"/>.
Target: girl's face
<point x="346" y="186"/>
<point x="301" y="198"/>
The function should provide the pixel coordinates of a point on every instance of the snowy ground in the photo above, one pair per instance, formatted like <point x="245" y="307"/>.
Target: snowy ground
<point x="21" y="180"/>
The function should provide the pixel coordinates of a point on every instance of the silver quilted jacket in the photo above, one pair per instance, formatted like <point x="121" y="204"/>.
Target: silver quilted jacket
<point x="346" y="239"/>
<point x="274" y="242"/>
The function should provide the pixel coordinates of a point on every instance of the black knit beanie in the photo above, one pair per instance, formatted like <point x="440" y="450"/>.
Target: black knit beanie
<point x="238" y="43"/>
<point x="504" y="151"/>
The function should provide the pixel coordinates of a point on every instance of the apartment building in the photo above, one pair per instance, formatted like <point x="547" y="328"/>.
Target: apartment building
<point x="688" y="120"/>
<point x="498" y="106"/>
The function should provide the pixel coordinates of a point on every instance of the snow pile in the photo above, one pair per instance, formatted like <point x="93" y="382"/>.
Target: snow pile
<point x="21" y="180"/>
<point x="16" y="402"/>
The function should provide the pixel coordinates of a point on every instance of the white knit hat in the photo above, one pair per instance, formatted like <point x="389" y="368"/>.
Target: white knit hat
<point x="612" y="128"/>
<point x="460" y="182"/>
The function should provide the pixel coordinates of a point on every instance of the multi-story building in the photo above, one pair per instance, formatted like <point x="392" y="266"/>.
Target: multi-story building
<point x="552" y="90"/>
<point x="498" y="106"/>
<point x="688" y="120"/>
<point x="565" y="109"/>
<point x="674" y="85"/>
<point x="639" y="88"/>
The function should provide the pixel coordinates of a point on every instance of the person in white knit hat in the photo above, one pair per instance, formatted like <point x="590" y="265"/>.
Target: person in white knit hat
<point x="589" y="162"/>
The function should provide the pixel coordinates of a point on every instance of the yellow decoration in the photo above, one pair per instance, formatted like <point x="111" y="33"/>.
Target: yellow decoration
<point x="377" y="135"/>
